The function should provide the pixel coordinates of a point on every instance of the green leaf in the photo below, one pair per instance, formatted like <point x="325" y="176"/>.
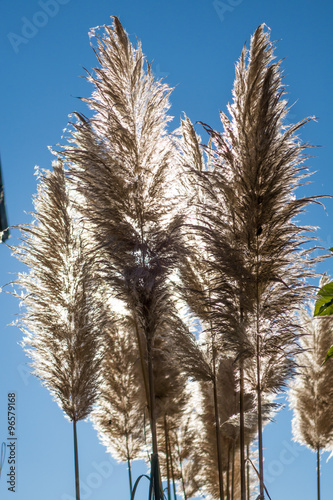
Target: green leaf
<point x="324" y="302"/>
<point x="328" y="355"/>
<point x="331" y="249"/>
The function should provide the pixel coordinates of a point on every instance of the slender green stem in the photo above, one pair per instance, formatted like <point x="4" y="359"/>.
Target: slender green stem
<point x="76" y="463"/>
<point x="129" y="465"/>
<point x="130" y="475"/>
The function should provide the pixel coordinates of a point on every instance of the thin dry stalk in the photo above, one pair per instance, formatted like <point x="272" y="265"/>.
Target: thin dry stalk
<point x="199" y="279"/>
<point x="119" y="413"/>
<point x="122" y="162"/>
<point x="311" y="392"/>
<point x="62" y="321"/>
<point x="247" y="223"/>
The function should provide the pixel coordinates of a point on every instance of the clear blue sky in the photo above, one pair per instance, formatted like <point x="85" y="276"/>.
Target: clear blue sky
<point x="194" y="45"/>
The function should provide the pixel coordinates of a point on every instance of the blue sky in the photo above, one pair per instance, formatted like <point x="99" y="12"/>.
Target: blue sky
<point x="194" y="44"/>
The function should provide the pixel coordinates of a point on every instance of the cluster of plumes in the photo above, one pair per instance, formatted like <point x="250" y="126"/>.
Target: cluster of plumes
<point x="62" y="319"/>
<point x="123" y="163"/>
<point x="247" y="271"/>
<point x="311" y="392"/>
<point x="232" y="253"/>
<point x="246" y="216"/>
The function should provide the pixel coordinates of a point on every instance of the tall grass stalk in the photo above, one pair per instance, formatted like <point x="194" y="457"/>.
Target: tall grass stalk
<point x="119" y="413"/>
<point x="247" y="225"/>
<point x="62" y="321"/>
<point x="311" y="392"/>
<point x="197" y="286"/>
<point x="122" y="161"/>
